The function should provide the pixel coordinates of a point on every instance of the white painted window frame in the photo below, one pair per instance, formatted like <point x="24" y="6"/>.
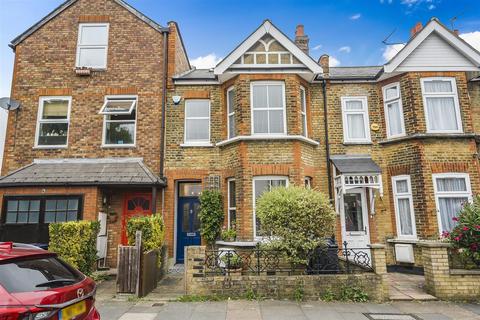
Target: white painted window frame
<point x="303" y="110"/>
<point x="229" y="206"/>
<point x="387" y="102"/>
<point x="229" y="114"/>
<point x="105" y="121"/>
<point x="366" y="119"/>
<point x="453" y="94"/>
<point x="400" y="196"/>
<point x="41" y="121"/>
<point x="450" y="194"/>
<point x="284" y="108"/>
<point x="307" y="181"/>
<point x="204" y="142"/>
<point x="83" y="46"/>
<point x="262" y="178"/>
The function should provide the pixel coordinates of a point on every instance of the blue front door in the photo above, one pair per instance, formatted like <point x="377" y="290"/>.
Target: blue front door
<point x="188" y="225"/>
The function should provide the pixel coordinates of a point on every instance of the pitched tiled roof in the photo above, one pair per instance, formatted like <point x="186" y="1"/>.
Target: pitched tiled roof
<point x="106" y="171"/>
<point x="197" y="74"/>
<point x="355" y="164"/>
<point x="355" y="72"/>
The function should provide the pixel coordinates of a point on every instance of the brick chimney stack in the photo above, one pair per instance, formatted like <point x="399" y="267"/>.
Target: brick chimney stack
<point x="301" y="40"/>
<point x="416" y="29"/>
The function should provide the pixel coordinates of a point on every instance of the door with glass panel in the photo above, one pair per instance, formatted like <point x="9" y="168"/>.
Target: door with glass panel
<point x="354" y="219"/>
<point x="188" y="222"/>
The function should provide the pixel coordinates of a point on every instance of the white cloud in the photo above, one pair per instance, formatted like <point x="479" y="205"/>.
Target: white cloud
<point x="356" y="16"/>
<point x="205" y="62"/>
<point x="431" y="7"/>
<point x="473" y="39"/>
<point x="345" y="49"/>
<point x="317" y="47"/>
<point x="333" y="62"/>
<point x="390" y="51"/>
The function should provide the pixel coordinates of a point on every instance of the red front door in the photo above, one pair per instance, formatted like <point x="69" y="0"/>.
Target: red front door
<point x="136" y="204"/>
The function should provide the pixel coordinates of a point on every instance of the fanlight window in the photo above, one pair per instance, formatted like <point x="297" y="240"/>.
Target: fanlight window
<point x="267" y="51"/>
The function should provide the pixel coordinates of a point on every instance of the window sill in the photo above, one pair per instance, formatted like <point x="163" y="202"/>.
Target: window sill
<point x="49" y="147"/>
<point x="118" y="146"/>
<point x="193" y="145"/>
<point x="346" y="143"/>
<point x="400" y="240"/>
<point x="266" y="138"/>
<point x="429" y="136"/>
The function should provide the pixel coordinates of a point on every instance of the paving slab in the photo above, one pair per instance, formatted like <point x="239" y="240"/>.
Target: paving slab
<point x="138" y="316"/>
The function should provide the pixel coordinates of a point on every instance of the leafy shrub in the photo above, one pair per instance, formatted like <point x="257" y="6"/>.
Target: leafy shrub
<point x="299" y="293"/>
<point x="232" y="261"/>
<point x="328" y="296"/>
<point x="76" y="243"/>
<point x="353" y="294"/>
<point x="153" y="231"/>
<point x="299" y="220"/>
<point x="465" y="237"/>
<point x="211" y="215"/>
<point x="228" y="234"/>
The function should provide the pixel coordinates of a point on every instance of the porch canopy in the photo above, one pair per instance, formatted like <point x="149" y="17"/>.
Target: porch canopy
<point x="84" y="172"/>
<point x="356" y="171"/>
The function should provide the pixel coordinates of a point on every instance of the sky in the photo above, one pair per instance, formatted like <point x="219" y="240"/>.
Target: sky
<point x="350" y="31"/>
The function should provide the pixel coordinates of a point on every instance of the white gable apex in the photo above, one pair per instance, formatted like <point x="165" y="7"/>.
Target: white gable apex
<point x="435" y="48"/>
<point x="267" y="28"/>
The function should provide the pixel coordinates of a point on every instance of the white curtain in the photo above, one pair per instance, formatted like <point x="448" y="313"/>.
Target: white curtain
<point x="394" y="118"/>
<point x="451" y="184"/>
<point x="406" y="226"/>
<point x="356" y="126"/>
<point x="260" y="121"/>
<point x="276" y="121"/>
<point x="441" y="113"/>
<point x="438" y="86"/>
<point x="402" y="186"/>
<point x="197" y="129"/>
<point x="449" y="208"/>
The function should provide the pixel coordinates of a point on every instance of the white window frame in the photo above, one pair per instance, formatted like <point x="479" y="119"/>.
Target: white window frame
<point x="453" y="94"/>
<point x="40" y="120"/>
<point x="131" y="99"/>
<point x="80" y="46"/>
<point x="105" y="115"/>
<point x="399" y="196"/>
<point x="307" y="182"/>
<point x="450" y="194"/>
<point x="387" y="102"/>
<point x="262" y="178"/>
<point x="366" y="119"/>
<point x="284" y="108"/>
<point x="229" y="206"/>
<point x="229" y="114"/>
<point x="303" y="110"/>
<point x="204" y="142"/>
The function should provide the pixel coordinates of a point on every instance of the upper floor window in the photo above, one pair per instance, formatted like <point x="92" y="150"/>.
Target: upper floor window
<point x="120" y="120"/>
<point x="355" y="120"/>
<point x="440" y="100"/>
<point x="197" y="121"/>
<point x="53" y="121"/>
<point x="231" y="112"/>
<point x="393" y="110"/>
<point x="405" y="218"/>
<point x="92" y="45"/>
<point x="303" y="105"/>
<point x="452" y="191"/>
<point x="268" y="108"/>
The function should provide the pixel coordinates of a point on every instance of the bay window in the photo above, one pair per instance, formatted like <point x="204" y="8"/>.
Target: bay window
<point x="452" y="191"/>
<point x="268" y="108"/>
<point x="440" y="100"/>
<point x="92" y="45"/>
<point x="403" y="203"/>
<point x="393" y="110"/>
<point x="119" y="121"/>
<point x="356" y="127"/>
<point x="197" y="122"/>
<point x="53" y="121"/>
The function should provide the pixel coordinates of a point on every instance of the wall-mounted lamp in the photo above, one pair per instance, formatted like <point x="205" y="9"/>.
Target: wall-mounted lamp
<point x="176" y="100"/>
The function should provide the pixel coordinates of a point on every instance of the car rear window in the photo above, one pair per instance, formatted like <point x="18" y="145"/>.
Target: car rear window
<point x="35" y="274"/>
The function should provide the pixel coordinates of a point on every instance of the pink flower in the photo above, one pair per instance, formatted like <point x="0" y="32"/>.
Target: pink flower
<point x="456" y="238"/>
<point x="466" y="228"/>
<point x="455" y="219"/>
<point x="477" y="227"/>
<point x="445" y="234"/>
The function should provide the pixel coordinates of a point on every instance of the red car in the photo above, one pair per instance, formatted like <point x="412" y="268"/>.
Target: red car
<point x="36" y="285"/>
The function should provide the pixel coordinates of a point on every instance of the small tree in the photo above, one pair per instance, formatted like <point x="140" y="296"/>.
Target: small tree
<point x="211" y="215"/>
<point x="299" y="220"/>
<point x="153" y="231"/>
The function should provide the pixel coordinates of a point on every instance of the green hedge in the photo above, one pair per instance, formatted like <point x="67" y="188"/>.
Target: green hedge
<point x="75" y="242"/>
<point x="211" y="215"/>
<point x="153" y="231"/>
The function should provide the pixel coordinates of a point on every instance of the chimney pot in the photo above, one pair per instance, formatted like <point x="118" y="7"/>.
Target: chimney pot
<point x="324" y="62"/>
<point x="416" y="29"/>
<point x="456" y="31"/>
<point x="301" y="40"/>
<point x="299" y="31"/>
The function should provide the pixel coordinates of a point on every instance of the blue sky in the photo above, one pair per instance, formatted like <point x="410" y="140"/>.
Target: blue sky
<point x="350" y="31"/>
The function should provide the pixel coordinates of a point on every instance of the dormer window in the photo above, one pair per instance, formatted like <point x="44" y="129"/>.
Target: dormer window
<point x="92" y="45"/>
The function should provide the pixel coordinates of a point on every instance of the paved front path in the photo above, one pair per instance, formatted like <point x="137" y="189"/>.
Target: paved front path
<point x="286" y="310"/>
<point x="408" y="287"/>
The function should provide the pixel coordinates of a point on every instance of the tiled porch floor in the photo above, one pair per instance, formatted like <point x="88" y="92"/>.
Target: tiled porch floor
<point x="407" y="287"/>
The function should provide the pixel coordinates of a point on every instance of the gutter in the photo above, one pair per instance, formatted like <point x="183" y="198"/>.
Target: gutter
<point x="165" y="32"/>
<point x="327" y="144"/>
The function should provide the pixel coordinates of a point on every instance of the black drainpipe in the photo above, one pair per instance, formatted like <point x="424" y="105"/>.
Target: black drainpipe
<point x="327" y="144"/>
<point x="165" y="32"/>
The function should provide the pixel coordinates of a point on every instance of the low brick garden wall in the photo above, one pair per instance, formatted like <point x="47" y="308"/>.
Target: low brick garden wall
<point x="446" y="283"/>
<point x="284" y="287"/>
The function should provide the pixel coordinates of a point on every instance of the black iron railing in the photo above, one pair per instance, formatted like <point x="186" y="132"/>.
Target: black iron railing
<point x="258" y="260"/>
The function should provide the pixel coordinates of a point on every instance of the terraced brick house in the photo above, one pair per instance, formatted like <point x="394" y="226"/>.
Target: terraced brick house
<point x="394" y="146"/>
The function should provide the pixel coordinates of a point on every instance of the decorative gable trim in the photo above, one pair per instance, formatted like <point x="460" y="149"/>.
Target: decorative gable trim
<point x="448" y="36"/>
<point x="267" y="28"/>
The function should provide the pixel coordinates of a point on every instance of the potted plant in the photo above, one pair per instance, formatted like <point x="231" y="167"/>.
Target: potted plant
<point x="228" y="235"/>
<point x="232" y="262"/>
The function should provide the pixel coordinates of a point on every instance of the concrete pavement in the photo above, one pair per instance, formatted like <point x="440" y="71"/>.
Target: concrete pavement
<point x="286" y="310"/>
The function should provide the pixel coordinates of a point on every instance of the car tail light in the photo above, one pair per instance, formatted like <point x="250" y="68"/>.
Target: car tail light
<point x="39" y="315"/>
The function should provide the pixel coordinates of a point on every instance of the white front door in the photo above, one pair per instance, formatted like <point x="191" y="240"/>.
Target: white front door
<point x="354" y="219"/>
